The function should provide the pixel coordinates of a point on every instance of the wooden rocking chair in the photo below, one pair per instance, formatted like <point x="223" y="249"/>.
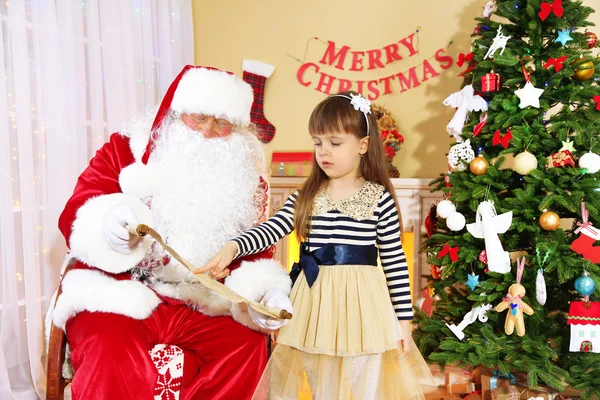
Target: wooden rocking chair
<point x="56" y="383"/>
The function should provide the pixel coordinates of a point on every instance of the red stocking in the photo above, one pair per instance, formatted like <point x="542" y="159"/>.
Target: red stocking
<point x="256" y="74"/>
<point x="584" y="244"/>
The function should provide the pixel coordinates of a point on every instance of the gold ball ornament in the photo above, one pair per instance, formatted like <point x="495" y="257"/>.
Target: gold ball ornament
<point x="549" y="220"/>
<point x="524" y="163"/>
<point x="583" y="71"/>
<point x="479" y="165"/>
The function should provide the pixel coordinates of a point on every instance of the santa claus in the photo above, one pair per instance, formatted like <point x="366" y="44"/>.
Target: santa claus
<point x="194" y="172"/>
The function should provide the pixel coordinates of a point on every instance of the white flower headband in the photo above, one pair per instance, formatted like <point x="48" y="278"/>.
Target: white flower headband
<point x="360" y="104"/>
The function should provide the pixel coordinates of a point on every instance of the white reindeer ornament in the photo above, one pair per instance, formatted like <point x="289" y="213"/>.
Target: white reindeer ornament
<point x="488" y="225"/>
<point x="499" y="43"/>
<point x="476" y="313"/>
<point x="464" y="101"/>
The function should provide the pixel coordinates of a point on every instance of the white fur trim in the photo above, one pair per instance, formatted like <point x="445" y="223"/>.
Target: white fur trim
<point x="258" y="68"/>
<point x="253" y="278"/>
<point x="48" y="319"/>
<point x="188" y="289"/>
<point x="137" y="180"/>
<point x="591" y="232"/>
<point x="138" y="141"/>
<point x="214" y="92"/>
<point x="87" y="237"/>
<point x="89" y="290"/>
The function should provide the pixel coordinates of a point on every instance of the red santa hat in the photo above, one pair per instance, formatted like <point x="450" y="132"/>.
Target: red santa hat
<point x="196" y="90"/>
<point x="205" y="90"/>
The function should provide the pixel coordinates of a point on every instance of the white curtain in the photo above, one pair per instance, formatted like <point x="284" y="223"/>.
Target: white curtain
<point x="71" y="73"/>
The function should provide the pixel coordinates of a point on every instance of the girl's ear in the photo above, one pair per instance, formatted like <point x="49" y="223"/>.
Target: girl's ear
<point x="364" y="145"/>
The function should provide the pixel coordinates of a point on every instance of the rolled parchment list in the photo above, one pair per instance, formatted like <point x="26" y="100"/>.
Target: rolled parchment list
<point x="210" y="283"/>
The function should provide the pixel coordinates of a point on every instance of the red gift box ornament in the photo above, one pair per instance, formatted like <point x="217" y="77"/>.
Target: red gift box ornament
<point x="491" y="82"/>
<point x="563" y="158"/>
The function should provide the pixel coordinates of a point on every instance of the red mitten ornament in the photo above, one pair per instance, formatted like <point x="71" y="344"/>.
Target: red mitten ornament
<point x="256" y="74"/>
<point x="584" y="244"/>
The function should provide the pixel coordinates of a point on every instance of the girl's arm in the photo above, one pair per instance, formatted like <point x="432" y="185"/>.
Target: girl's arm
<point x="393" y="258"/>
<point x="253" y="240"/>
<point x="269" y="232"/>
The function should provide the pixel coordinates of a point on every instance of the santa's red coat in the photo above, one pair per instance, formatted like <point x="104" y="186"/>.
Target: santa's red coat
<point x="100" y="281"/>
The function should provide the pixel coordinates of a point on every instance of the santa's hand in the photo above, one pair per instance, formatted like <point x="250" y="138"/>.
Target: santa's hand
<point x="274" y="298"/>
<point x="115" y="232"/>
<point x="219" y="263"/>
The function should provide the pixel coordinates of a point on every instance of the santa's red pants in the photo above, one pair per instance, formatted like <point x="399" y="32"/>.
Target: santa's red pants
<point x="223" y="359"/>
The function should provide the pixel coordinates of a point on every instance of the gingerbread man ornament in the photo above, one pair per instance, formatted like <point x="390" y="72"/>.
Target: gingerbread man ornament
<point x="515" y="305"/>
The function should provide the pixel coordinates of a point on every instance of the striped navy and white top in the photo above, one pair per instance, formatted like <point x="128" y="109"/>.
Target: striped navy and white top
<point x="346" y="222"/>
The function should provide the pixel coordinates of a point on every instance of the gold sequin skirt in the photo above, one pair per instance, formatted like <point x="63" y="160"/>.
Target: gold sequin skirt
<point x="342" y="343"/>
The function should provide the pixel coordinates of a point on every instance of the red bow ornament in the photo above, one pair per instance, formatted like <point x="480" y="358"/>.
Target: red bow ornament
<point x="586" y="224"/>
<point x="503" y="140"/>
<point x="557" y="62"/>
<point x="462" y="58"/>
<point x="547" y="8"/>
<point x="597" y="101"/>
<point x="452" y="251"/>
<point x="466" y="58"/>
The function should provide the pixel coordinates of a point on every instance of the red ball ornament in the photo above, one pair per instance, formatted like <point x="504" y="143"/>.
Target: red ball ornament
<point x="483" y="257"/>
<point x="491" y="82"/>
<point x="592" y="39"/>
<point x="436" y="272"/>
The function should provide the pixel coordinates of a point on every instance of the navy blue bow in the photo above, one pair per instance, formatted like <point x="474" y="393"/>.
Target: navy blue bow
<point x="331" y="254"/>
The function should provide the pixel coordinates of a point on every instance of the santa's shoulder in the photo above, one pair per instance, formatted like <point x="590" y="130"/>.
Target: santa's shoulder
<point x="118" y="146"/>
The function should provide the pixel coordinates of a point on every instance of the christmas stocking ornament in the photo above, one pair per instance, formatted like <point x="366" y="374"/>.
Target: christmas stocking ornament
<point x="256" y="74"/>
<point x="584" y="244"/>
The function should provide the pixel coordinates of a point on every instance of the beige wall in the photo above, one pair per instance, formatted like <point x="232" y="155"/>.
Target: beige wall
<point x="227" y="31"/>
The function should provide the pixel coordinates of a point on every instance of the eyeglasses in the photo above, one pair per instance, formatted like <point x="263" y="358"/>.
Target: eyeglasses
<point x="220" y="123"/>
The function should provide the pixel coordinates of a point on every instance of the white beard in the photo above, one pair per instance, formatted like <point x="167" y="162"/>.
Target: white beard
<point x="207" y="190"/>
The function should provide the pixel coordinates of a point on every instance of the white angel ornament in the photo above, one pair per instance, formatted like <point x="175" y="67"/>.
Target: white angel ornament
<point x="488" y="225"/>
<point x="464" y="101"/>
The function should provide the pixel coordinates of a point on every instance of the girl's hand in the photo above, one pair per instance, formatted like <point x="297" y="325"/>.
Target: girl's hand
<point x="404" y="344"/>
<point x="219" y="263"/>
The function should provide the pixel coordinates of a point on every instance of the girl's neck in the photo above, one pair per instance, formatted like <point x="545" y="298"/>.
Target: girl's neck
<point x="344" y="187"/>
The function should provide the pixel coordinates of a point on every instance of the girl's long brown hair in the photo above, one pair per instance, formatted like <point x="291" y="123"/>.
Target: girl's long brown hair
<point x="337" y="115"/>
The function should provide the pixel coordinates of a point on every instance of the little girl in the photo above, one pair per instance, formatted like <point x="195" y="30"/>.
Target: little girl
<point x="350" y="336"/>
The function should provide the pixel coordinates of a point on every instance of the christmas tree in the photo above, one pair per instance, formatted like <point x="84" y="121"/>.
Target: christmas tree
<point x="515" y="289"/>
